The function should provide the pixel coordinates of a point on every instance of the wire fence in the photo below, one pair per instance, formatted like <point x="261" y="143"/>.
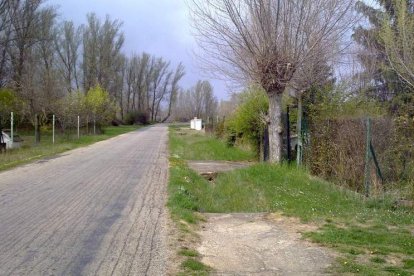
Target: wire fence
<point x="370" y="156"/>
<point x="53" y="126"/>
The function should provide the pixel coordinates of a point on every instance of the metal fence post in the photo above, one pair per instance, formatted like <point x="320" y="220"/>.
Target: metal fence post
<point x="288" y="144"/>
<point x="299" y="153"/>
<point x="53" y="129"/>
<point x="78" y="127"/>
<point x="11" y="128"/>
<point x="367" y="173"/>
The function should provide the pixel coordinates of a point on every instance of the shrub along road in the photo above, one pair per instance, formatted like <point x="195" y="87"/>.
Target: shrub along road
<point x="96" y="210"/>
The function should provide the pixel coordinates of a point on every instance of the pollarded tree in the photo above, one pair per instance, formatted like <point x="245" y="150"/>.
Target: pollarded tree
<point x="267" y="42"/>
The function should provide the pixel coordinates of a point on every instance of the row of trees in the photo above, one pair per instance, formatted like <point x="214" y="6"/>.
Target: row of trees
<point x="47" y="65"/>
<point x="199" y="101"/>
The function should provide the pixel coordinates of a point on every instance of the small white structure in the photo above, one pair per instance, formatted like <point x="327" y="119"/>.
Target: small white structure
<point x="7" y="140"/>
<point x="197" y="124"/>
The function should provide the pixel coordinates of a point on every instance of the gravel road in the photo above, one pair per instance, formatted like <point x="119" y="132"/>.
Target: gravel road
<point x="97" y="210"/>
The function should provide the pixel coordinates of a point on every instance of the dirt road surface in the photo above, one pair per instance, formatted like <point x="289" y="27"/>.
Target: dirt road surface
<point x="98" y="210"/>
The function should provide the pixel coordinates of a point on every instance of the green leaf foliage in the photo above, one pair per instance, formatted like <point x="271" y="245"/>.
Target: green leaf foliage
<point x="9" y="102"/>
<point x="247" y="124"/>
<point x="99" y="105"/>
<point x="95" y="105"/>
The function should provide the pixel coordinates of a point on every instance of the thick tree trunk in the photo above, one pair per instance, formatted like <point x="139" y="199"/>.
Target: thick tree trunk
<point x="275" y="127"/>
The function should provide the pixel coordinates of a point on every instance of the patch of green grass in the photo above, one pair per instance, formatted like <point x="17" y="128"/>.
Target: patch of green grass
<point x="188" y="253"/>
<point x="378" y="260"/>
<point x="350" y="266"/>
<point x="31" y="152"/>
<point x="408" y="264"/>
<point x="183" y="205"/>
<point x="394" y="270"/>
<point x="371" y="238"/>
<point x="190" y="145"/>
<point x="194" y="265"/>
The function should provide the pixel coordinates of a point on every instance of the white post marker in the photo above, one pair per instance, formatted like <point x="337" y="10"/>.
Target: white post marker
<point x="53" y="123"/>
<point x="11" y="128"/>
<point x="78" y="127"/>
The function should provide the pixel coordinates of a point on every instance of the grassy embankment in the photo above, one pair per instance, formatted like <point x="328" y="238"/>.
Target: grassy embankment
<point x="30" y="152"/>
<point x="372" y="237"/>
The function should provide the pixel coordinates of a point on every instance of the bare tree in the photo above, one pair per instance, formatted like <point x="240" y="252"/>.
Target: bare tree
<point x="178" y="75"/>
<point x="5" y="41"/>
<point x="267" y="42"/>
<point x="67" y="47"/>
<point x="25" y="22"/>
<point x="102" y="44"/>
<point x="32" y="31"/>
<point x="137" y="80"/>
<point x="159" y="75"/>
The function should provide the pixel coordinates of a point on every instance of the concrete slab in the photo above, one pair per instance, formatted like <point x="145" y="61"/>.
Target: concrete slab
<point x="260" y="244"/>
<point x="203" y="167"/>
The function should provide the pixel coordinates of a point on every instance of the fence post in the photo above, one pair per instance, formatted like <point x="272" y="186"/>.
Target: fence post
<point x="367" y="173"/>
<point x="78" y="127"/>
<point x="11" y="128"/>
<point x="299" y="154"/>
<point x="289" y="157"/>
<point x="53" y="129"/>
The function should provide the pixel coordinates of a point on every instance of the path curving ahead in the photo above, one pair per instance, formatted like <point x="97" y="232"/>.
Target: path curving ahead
<point x="98" y="210"/>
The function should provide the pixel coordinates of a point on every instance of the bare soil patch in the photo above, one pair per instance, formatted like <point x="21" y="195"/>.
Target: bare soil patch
<point x="260" y="244"/>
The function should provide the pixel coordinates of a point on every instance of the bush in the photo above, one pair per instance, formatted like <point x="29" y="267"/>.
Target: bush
<point x="220" y="130"/>
<point x="247" y="124"/>
<point x="137" y="118"/>
<point x="116" y="122"/>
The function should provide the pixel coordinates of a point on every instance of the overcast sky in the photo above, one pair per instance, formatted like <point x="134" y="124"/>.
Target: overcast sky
<point x="159" y="27"/>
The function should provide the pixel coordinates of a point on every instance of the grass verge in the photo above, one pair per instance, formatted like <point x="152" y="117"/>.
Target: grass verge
<point x="192" y="145"/>
<point x="30" y="152"/>
<point x="372" y="236"/>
